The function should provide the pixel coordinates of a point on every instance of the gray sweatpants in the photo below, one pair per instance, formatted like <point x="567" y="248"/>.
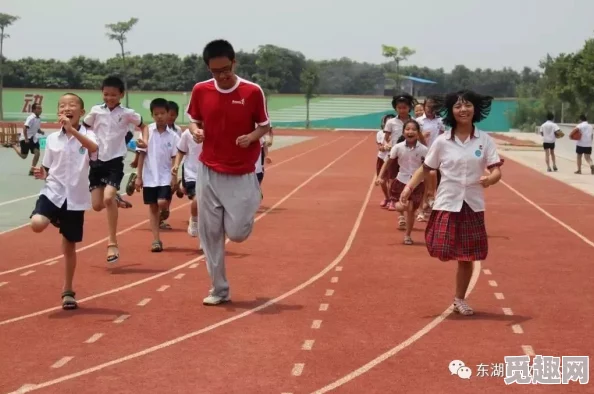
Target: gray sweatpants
<point x="228" y="205"/>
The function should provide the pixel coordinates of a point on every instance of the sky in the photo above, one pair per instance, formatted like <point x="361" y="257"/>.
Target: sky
<point x="444" y="33"/>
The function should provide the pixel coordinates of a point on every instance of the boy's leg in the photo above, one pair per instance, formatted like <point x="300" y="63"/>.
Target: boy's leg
<point x="150" y="196"/>
<point x="579" y="163"/>
<point x="71" y="228"/>
<point x="165" y="195"/>
<point x="22" y="149"/>
<point x="44" y="213"/>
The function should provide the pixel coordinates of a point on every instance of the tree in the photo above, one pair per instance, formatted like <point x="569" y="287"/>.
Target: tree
<point x="310" y="81"/>
<point x="5" y="21"/>
<point x="118" y="32"/>
<point x="397" y="55"/>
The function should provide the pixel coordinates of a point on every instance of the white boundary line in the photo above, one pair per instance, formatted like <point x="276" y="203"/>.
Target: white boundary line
<point x="146" y="221"/>
<point x="296" y="289"/>
<point x="184" y="265"/>
<point x="354" y="374"/>
<point x="18" y="199"/>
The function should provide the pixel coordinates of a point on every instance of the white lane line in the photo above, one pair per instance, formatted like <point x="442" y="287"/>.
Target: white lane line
<point x="27" y="273"/>
<point x="316" y="324"/>
<point x="14" y="229"/>
<point x="297" y="369"/>
<point x="487" y="272"/>
<point x="323" y="307"/>
<point x="163" y="288"/>
<point x="52" y="262"/>
<point x="94" y="338"/>
<point x="120" y="319"/>
<point x="507" y="311"/>
<point x="179" y="276"/>
<point x="527" y="349"/>
<point x="194" y="265"/>
<point x="339" y="268"/>
<point x="307" y="344"/>
<point x="199" y="258"/>
<point x="334" y="279"/>
<point x="249" y="312"/>
<point x="19" y="199"/>
<point x="492" y="283"/>
<point x="3" y="283"/>
<point x="517" y="329"/>
<point x="144" y="302"/>
<point x="329" y="292"/>
<point x="403" y="345"/>
<point x="61" y="362"/>
<point x="24" y="388"/>
<point x="499" y="296"/>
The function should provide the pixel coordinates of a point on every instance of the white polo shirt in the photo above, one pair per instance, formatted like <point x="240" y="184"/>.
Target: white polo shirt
<point x="111" y="127"/>
<point x="433" y="126"/>
<point x="259" y="165"/>
<point x="548" y="129"/>
<point x="380" y="138"/>
<point x="395" y="127"/>
<point x="32" y="127"/>
<point x="162" y="147"/>
<point x="178" y="130"/>
<point x="409" y="159"/>
<point x="586" y="130"/>
<point x="461" y="165"/>
<point x="192" y="150"/>
<point x="68" y="177"/>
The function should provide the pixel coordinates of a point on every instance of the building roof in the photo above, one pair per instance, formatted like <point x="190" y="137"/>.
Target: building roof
<point x="419" y="80"/>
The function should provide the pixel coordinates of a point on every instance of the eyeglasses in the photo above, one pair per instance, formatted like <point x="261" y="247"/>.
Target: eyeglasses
<point x="224" y="70"/>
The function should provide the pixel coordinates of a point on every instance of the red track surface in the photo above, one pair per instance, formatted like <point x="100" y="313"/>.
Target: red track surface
<point x="323" y="226"/>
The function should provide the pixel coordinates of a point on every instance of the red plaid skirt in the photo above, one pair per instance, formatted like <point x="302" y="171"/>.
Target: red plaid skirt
<point x="416" y="197"/>
<point x="459" y="236"/>
<point x="378" y="166"/>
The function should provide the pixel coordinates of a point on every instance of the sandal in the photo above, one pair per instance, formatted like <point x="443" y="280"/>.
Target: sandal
<point x="164" y="226"/>
<point x="114" y="257"/>
<point x="157" y="246"/>
<point x="164" y="215"/>
<point x="408" y="240"/>
<point x="131" y="185"/>
<point x="401" y="223"/>
<point x="68" y="301"/>
<point x="461" y="307"/>
<point x="121" y="202"/>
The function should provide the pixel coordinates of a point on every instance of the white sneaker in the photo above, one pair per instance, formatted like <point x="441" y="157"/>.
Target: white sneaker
<point x="193" y="229"/>
<point x="215" y="300"/>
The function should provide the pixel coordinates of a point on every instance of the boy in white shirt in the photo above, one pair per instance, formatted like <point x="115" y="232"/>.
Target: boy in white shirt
<point x="547" y="131"/>
<point x="190" y="149"/>
<point x="583" y="145"/>
<point x="29" y="138"/>
<point x="110" y="122"/>
<point x="65" y="196"/>
<point x="155" y="167"/>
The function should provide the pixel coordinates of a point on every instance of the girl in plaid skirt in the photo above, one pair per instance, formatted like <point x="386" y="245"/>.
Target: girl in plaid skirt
<point x="456" y="227"/>
<point x="382" y="154"/>
<point x="410" y="154"/>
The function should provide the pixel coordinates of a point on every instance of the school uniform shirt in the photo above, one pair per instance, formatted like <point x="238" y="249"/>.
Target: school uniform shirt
<point x="68" y="175"/>
<point x="192" y="150"/>
<point x="380" y="138"/>
<point x="461" y="165"/>
<point x="227" y="114"/>
<point x="259" y="165"/>
<point x="178" y="130"/>
<point x="586" y="130"/>
<point x="111" y="127"/>
<point x="409" y="159"/>
<point x="32" y="127"/>
<point x="548" y="129"/>
<point x="433" y="126"/>
<point x="395" y="128"/>
<point x="162" y="147"/>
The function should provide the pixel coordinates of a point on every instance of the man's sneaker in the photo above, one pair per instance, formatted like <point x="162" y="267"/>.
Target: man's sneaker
<point x="215" y="300"/>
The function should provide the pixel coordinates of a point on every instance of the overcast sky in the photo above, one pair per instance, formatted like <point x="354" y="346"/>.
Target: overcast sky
<point x="477" y="33"/>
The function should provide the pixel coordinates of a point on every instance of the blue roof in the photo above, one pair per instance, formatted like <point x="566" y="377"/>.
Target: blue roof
<point x="420" y="80"/>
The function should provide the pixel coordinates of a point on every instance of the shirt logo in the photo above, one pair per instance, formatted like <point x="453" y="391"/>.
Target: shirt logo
<point x="169" y="144"/>
<point x="82" y="150"/>
<point x="240" y="102"/>
<point x="478" y="153"/>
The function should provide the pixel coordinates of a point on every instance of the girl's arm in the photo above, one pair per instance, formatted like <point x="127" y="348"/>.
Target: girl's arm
<point x="177" y="161"/>
<point x="386" y="165"/>
<point x="138" y="182"/>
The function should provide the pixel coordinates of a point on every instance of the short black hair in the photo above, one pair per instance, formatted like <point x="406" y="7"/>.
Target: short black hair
<point x="218" y="48"/>
<point x="437" y="102"/>
<point x="34" y="106"/>
<point x="159" y="103"/>
<point x="113" y="82"/>
<point x="80" y="100"/>
<point x="550" y="116"/>
<point x="385" y="119"/>
<point x="404" y="98"/>
<point x="583" y="118"/>
<point x="173" y="106"/>
<point x="481" y="103"/>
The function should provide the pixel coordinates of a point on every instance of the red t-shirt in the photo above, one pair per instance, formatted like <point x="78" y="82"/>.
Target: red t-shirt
<point x="226" y="115"/>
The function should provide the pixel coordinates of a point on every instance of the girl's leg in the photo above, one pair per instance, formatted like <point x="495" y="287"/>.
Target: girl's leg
<point x="410" y="222"/>
<point x="97" y="199"/>
<point x="463" y="276"/>
<point x="579" y="163"/>
<point x="193" y="226"/>
<point x="384" y="186"/>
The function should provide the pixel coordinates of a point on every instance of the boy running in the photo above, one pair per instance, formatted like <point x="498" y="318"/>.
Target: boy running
<point x="29" y="139"/>
<point x="65" y="195"/>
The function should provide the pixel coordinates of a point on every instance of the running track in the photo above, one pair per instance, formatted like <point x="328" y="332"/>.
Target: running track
<point x="325" y="296"/>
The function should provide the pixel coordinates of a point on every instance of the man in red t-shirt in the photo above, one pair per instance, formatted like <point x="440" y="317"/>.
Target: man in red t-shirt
<point x="228" y="116"/>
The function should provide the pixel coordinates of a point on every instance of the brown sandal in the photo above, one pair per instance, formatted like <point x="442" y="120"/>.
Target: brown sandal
<point x="113" y="258"/>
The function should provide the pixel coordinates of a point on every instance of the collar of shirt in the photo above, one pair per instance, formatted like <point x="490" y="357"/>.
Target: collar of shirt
<point x="449" y="134"/>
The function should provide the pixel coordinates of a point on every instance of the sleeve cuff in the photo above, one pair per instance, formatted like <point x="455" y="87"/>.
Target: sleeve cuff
<point x="425" y="166"/>
<point x="265" y="123"/>
<point x="498" y="164"/>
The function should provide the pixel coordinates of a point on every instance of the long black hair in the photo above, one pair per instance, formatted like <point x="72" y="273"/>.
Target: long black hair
<point x="404" y="98"/>
<point x="481" y="103"/>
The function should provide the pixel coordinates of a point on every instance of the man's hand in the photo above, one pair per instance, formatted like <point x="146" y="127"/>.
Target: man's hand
<point x="40" y="173"/>
<point x="198" y="135"/>
<point x="244" y="141"/>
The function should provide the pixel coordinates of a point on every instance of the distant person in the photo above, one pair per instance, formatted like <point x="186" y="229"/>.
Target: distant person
<point x="419" y="110"/>
<point x="65" y="195"/>
<point x="29" y="137"/>
<point x="583" y="145"/>
<point x="547" y="131"/>
<point x="228" y="114"/>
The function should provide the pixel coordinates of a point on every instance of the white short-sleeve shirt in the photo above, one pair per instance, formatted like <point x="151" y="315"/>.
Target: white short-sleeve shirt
<point x="68" y="176"/>
<point x="395" y="127"/>
<point x="33" y="125"/>
<point x="192" y="150"/>
<point x="259" y="165"/>
<point x="548" y="129"/>
<point x="409" y="159"/>
<point x="162" y="148"/>
<point x="380" y="138"/>
<point x="433" y="126"/>
<point x="111" y="127"/>
<point x="586" y="130"/>
<point x="461" y="164"/>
